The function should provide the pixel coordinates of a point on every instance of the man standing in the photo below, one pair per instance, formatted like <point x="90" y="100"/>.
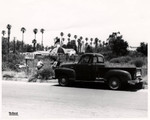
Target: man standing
<point x="39" y="64"/>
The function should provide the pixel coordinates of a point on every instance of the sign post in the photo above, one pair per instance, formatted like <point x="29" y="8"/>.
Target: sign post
<point x="28" y="56"/>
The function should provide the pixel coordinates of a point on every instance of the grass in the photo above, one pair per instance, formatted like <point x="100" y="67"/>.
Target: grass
<point x="14" y="76"/>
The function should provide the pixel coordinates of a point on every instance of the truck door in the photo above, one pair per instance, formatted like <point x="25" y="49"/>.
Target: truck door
<point x="98" y="65"/>
<point x="84" y="68"/>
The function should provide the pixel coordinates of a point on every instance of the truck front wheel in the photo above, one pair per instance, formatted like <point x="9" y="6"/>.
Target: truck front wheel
<point x="114" y="83"/>
<point x="63" y="81"/>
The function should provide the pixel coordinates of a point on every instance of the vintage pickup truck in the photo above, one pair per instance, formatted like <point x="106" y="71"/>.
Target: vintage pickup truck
<point x="91" y="68"/>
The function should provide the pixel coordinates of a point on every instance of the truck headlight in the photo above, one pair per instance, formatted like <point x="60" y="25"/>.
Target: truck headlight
<point x="138" y="73"/>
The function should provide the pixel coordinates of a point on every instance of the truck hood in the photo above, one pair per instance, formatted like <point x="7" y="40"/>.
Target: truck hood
<point x="67" y="65"/>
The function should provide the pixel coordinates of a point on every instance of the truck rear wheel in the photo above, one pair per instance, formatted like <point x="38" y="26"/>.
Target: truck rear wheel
<point x="114" y="83"/>
<point x="139" y="85"/>
<point x="63" y="81"/>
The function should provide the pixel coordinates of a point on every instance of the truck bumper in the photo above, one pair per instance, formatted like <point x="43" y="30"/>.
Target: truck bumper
<point x="136" y="81"/>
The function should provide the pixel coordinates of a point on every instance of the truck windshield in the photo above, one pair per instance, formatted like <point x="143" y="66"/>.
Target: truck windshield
<point x="98" y="59"/>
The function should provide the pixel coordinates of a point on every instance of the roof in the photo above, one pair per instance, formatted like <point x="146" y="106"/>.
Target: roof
<point x="68" y="49"/>
<point x="94" y="54"/>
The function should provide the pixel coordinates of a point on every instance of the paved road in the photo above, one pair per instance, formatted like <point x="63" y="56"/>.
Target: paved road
<point x="48" y="100"/>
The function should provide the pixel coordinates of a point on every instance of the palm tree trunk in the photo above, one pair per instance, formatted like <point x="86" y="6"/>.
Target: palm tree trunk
<point x="8" y="40"/>
<point x="80" y="48"/>
<point x="8" y="46"/>
<point x="42" y="42"/>
<point x="34" y="46"/>
<point x="22" y="40"/>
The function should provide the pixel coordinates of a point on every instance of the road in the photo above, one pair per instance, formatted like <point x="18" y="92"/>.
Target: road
<point x="48" y="100"/>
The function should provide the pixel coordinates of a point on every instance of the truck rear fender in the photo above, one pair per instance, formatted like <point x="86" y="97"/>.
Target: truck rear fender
<point x="70" y="73"/>
<point x="123" y="75"/>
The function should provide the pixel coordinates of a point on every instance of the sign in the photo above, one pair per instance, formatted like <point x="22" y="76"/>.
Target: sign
<point x="29" y="56"/>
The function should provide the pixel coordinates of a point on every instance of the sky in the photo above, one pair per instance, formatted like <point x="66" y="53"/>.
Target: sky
<point x="87" y="18"/>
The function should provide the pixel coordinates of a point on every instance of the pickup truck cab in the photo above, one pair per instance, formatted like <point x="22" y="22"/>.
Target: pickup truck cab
<point x="91" y="68"/>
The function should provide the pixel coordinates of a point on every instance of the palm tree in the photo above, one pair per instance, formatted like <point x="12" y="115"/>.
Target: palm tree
<point x="79" y="45"/>
<point x="3" y="32"/>
<point x="69" y="35"/>
<point x="23" y="31"/>
<point x="35" y="32"/>
<point x="61" y="42"/>
<point x="96" y="44"/>
<point x="9" y="28"/>
<point x="100" y="43"/>
<point x="81" y="37"/>
<point x="86" y="40"/>
<point x="91" y="41"/>
<point x="103" y="43"/>
<point x="34" y="42"/>
<point x="75" y="37"/>
<point x="42" y="31"/>
<point x="61" y="34"/>
<point x="68" y="39"/>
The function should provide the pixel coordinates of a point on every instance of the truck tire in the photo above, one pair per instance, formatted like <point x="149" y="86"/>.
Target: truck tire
<point x="63" y="81"/>
<point x="139" y="85"/>
<point x="114" y="83"/>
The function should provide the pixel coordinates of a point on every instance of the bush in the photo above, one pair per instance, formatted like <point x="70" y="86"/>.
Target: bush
<point x="9" y="62"/>
<point x="135" y="54"/>
<point x="118" y="45"/>
<point x="125" y="59"/>
<point x="108" y="55"/>
<point x="43" y="73"/>
<point x="115" y="60"/>
<point x="138" y="62"/>
<point x="143" y="48"/>
<point x="46" y="72"/>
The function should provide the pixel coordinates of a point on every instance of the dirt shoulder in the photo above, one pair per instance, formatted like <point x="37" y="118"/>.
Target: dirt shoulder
<point x="21" y="76"/>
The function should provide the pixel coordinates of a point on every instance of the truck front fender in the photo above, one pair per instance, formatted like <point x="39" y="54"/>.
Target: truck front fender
<point x="123" y="75"/>
<point x="70" y="73"/>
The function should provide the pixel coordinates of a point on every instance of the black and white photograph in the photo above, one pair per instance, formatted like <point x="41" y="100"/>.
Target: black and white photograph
<point x="74" y="59"/>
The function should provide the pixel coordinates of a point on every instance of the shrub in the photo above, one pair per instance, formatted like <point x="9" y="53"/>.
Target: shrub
<point x="8" y="76"/>
<point x="138" y="62"/>
<point x="118" y="45"/>
<point x="108" y="55"/>
<point x="143" y="48"/>
<point x="135" y="54"/>
<point x="125" y="59"/>
<point x="9" y="62"/>
<point x="115" y="60"/>
<point x="46" y="72"/>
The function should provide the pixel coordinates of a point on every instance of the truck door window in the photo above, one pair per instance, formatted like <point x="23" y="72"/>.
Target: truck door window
<point x="95" y="59"/>
<point x="100" y="59"/>
<point x="85" y="60"/>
